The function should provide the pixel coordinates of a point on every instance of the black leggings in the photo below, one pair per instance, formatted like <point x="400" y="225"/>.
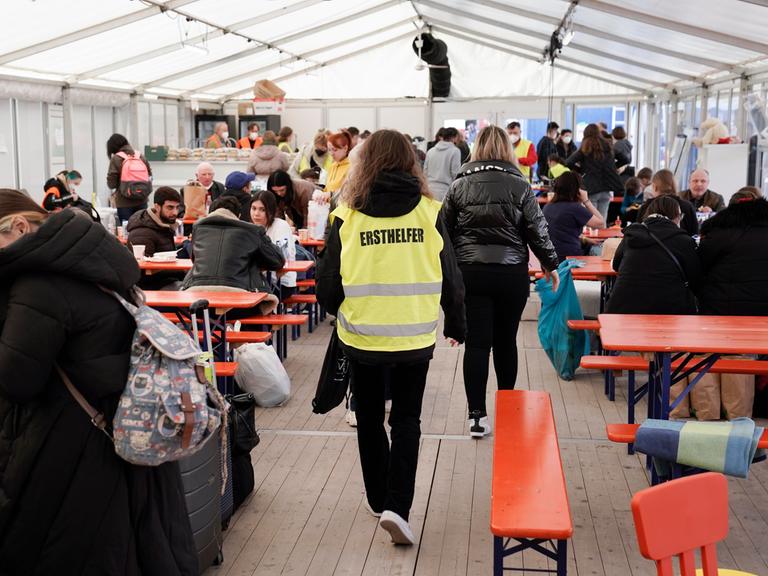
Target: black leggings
<point x="495" y="299"/>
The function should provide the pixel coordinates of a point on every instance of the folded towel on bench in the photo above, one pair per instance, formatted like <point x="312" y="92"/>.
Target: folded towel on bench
<point x="726" y="447"/>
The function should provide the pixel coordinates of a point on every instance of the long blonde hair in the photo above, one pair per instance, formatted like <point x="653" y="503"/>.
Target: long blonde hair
<point x="664" y="181"/>
<point x="384" y="151"/>
<point x="14" y="203"/>
<point x="492" y="144"/>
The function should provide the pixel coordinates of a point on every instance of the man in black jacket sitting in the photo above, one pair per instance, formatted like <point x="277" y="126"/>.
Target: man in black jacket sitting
<point x="155" y="227"/>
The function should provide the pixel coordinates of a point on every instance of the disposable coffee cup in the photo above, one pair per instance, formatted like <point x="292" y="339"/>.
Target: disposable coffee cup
<point x="138" y="251"/>
<point x="303" y="234"/>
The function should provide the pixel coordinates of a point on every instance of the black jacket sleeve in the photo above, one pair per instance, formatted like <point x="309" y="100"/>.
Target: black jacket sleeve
<point x="330" y="291"/>
<point x="144" y="236"/>
<point x="618" y="256"/>
<point x="690" y="223"/>
<point x="267" y="256"/>
<point x="33" y="334"/>
<point x="452" y="297"/>
<point x="574" y="159"/>
<point x="448" y="210"/>
<point x="536" y="231"/>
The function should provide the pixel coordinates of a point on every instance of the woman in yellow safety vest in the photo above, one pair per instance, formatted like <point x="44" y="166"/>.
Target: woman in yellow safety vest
<point x="312" y="155"/>
<point x="387" y="268"/>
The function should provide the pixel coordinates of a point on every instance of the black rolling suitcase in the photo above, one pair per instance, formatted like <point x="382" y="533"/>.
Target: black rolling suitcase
<point x="201" y="474"/>
<point x="201" y="477"/>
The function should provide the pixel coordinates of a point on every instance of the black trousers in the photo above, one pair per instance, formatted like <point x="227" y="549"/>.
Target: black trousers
<point x="495" y="298"/>
<point x="389" y="471"/>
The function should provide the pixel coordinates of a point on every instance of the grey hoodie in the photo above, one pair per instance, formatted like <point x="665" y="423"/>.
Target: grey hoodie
<point x="441" y="167"/>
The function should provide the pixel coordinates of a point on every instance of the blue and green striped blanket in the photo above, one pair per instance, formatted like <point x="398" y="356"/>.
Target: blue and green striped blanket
<point x="726" y="447"/>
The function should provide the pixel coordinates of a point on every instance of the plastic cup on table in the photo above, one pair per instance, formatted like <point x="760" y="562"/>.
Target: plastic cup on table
<point x="138" y="251"/>
<point x="303" y="234"/>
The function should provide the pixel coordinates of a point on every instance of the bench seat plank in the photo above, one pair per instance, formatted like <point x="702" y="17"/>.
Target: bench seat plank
<point x="528" y="495"/>
<point x="637" y="363"/>
<point x="626" y="433"/>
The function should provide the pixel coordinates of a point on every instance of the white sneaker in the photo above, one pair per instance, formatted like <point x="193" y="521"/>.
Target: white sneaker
<point x="479" y="426"/>
<point x="371" y="511"/>
<point x="351" y="418"/>
<point x="398" y="528"/>
<point x="388" y="406"/>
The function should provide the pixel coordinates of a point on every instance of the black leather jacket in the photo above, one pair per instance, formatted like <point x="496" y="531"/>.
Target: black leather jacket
<point x="230" y="252"/>
<point x="493" y="217"/>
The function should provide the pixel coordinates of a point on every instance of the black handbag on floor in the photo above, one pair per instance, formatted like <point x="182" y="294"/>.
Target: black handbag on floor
<point x="243" y="423"/>
<point x="334" y="378"/>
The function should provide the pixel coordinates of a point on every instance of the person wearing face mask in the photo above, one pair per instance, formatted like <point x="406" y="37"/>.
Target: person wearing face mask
<point x="219" y="137"/>
<point x="565" y="145"/>
<point x="546" y="147"/>
<point x="252" y="139"/>
<point x="61" y="192"/>
<point x="69" y="504"/>
<point x="314" y="155"/>
<point x="659" y="269"/>
<point x="524" y="150"/>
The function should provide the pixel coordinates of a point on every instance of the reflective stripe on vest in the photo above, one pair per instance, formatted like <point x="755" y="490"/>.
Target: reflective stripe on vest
<point x="521" y="151"/>
<point x="392" y="279"/>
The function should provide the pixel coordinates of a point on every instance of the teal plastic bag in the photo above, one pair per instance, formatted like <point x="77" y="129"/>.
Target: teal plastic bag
<point x="564" y="346"/>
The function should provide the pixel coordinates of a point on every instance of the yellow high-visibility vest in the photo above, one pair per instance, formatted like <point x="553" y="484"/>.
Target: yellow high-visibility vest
<point x="558" y="170"/>
<point x="521" y="151"/>
<point x="304" y="164"/>
<point x="392" y="278"/>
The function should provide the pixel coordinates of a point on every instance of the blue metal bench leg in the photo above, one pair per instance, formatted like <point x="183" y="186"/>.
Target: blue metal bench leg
<point x="631" y="405"/>
<point x="498" y="556"/>
<point x="562" y="557"/>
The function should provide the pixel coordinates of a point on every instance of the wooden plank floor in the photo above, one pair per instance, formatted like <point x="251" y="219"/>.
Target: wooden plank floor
<point x="306" y="515"/>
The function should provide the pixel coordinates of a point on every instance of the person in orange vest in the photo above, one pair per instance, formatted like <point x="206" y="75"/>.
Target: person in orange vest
<point x="252" y="139"/>
<point x="219" y="137"/>
<point x="525" y="151"/>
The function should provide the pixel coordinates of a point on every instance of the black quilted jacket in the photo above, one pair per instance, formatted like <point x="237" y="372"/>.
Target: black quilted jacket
<point x="493" y="217"/>
<point x="68" y="504"/>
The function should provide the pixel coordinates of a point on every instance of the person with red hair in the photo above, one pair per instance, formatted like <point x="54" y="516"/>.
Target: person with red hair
<point x="339" y="145"/>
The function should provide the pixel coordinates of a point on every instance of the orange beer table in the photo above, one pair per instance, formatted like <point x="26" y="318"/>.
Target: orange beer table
<point x="183" y="265"/>
<point x="680" y="339"/>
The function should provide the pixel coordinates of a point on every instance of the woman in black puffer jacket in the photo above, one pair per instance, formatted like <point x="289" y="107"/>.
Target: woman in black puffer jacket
<point x="68" y="504"/>
<point x="734" y="259"/>
<point x="493" y="218"/>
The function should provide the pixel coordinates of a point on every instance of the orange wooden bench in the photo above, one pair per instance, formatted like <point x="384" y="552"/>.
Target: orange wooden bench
<point x="310" y="300"/>
<point x="281" y="321"/>
<point x="591" y="325"/>
<point x="309" y="283"/>
<point x="529" y="500"/>
<point x="626" y="433"/>
<point x="614" y="365"/>
<point x="225" y="369"/>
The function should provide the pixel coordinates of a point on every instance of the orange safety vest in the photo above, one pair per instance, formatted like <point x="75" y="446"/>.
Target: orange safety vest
<point x="245" y="142"/>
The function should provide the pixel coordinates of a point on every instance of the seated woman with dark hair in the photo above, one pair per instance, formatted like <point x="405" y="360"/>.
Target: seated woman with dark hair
<point x="230" y="255"/>
<point x="734" y="258"/>
<point x="659" y="270"/>
<point x="263" y="212"/>
<point x="567" y="214"/>
<point x="292" y="197"/>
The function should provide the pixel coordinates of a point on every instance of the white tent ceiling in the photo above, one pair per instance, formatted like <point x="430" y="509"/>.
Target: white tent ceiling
<point x="216" y="49"/>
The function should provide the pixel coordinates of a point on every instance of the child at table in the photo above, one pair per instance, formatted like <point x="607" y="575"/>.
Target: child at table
<point x="633" y="200"/>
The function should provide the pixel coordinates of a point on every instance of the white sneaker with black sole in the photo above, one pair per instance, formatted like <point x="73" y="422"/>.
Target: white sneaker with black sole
<point x="479" y="426"/>
<point x="398" y="528"/>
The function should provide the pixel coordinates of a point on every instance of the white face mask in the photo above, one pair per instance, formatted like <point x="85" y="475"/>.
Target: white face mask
<point x="567" y="139"/>
<point x="253" y="135"/>
<point x="514" y="138"/>
<point x="225" y="135"/>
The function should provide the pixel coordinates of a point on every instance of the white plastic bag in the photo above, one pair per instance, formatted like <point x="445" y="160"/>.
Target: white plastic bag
<point x="260" y="372"/>
<point x="317" y="218"/>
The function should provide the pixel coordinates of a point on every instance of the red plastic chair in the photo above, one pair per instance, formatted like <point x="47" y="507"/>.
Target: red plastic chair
<point x="677" y="517"/>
